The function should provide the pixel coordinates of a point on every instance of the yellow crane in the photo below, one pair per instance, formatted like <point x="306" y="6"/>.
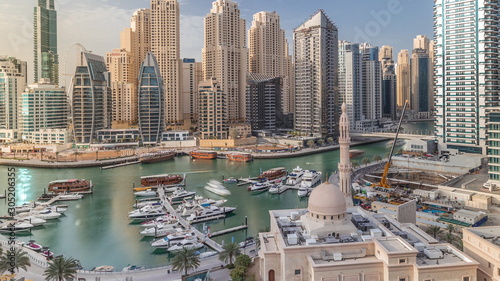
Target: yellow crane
<point x="383" y="181"/>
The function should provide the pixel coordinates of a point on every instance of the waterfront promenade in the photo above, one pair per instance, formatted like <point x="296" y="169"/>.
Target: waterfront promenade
<point x="37" y="163"/>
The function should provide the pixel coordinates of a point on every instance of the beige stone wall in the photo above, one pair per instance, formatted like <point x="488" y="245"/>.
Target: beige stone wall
<point x="227" y="143"/>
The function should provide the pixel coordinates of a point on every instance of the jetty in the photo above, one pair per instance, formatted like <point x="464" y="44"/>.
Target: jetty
<point x="229" y="230"/>
<point x="120" y="165"/>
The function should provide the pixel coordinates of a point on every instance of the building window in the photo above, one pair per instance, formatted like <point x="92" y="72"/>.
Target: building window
<point x="402" y="261"/>
<point x="297" y="271"/>
<point x="466" y="278"/>
<point x="402" y="279"/>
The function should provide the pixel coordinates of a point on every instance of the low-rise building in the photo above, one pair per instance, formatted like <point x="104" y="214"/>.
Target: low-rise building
<point x="483" y="245"/>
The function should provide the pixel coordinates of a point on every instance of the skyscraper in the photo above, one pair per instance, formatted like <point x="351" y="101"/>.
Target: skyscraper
<point x="13" y="78"/>
<point x="466" y="72"/>
<point x="268" y="52"/>
<point x="388" y="82"/>
<point x="371" y="91"/>
<point x="91" y="100"/>
<point x="350" y="80"/>
<point x="264" y="109"/>
<point x="46" y="59"/>
<point x="151" y="100"/>
<point x="120" y="63"/>
<point x="422" y="98"/>
<point x="165" y="45"/>
<point x="403" y="81"/>
<point x="191" y="76"/>
<point x="213" y="118"/>
<point x="224" y="55"/>
<point x="316" y="76"/>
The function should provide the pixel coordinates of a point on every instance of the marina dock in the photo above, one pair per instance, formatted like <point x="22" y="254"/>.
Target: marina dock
<point x="120" y="165"/>
<point x="229" y="230"/>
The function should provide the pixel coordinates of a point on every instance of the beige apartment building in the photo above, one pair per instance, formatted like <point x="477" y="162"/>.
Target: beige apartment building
<point x="224" y="56"/>
<point x="191" y="76"/>
<point x="268" y="53"/>
<point x="212" y="110"/>
<point x="165" y="44"/>
<point x="482" y="244"/>
<point x="403" y="80"/>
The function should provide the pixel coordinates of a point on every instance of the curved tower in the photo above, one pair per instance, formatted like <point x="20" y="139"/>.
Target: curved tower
<point x="345" y="164"/>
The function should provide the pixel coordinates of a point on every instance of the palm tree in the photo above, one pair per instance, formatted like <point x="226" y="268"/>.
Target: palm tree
<point x="434" y="230"/>
<point x="15" y="259"/>
<point x="61" y="269"/>
<point x="231" y="250"/>
<point x="449" y="237"/>
<point x="377" y="158"/>
<point x="321" y="142"/>
<point x="185" y="259"/>
<point x="310" y="143"/>
<point x="450" y="227"/>
<point x="365" y="161"/>
<point x="329" y="140"/>
<point x="355" y="163"/>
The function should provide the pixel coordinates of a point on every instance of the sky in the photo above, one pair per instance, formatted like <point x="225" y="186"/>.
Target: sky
<point x="96" y="24"/>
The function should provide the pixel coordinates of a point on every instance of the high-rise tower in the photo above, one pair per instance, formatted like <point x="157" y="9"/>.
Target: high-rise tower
<point x="316" y="76"/>
<point x="46" y="59"/>
<point x="13" y="80"/>
<point x="165" y="45"/>
<point x="224" y="55"/>
<point x="466" y="83"/>
<point x="350" y="79"/>
<point x="345" y="166"/>
<point x="403" y="81"/>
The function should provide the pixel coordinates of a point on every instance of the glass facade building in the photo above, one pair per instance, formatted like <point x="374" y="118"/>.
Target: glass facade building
<point x="12" y="82"/>
<point x="151" y="101"/>
<point x="46" y="59"/>
<point x="264" y="107"/>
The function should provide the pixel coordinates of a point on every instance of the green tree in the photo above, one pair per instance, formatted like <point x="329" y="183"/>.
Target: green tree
<point x="355" y="163"/>
<point x="434" y="230"/>
<point x="310" y="143"/>
<point x="231" y="250"/>
<point x="365" y="161"/>
<point x="243" y="260"/>
<point x="185" y="259"/>
<point x="377" y="158"/>
<point x="264" y="229"/>
<point x="61" y="269"/>
<point x="321" y="142"/>
<point x="449" y="237"/>
<point x="329" y="140"/>
<point x="450" y="228"/>
<point x="238" y="273"/>
<point x="15" y="259"/>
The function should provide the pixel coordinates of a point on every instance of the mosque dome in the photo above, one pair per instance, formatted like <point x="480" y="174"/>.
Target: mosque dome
<point x="327" y="200"/>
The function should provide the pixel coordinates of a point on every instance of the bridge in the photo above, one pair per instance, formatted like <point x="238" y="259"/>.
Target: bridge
<point x="390" y="135"/>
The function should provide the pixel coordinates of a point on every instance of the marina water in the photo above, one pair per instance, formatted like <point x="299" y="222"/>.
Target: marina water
<point x="97" y="231"/>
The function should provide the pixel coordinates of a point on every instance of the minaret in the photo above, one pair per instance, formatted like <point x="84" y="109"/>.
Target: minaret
<point x="345" y="163"/>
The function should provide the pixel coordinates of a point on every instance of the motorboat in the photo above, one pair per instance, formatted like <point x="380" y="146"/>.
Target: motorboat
<point x="139" y="205"/>
<point x="179" y="195"/>
<point x="249" y="241"/>
<point x="230" y="180"/>
<point x="205" y="255"/>
<point x="75" y="196"/>
<point x="103" y="268"/>
<point x="310" y="179"/>
<point x="173" y="238"/>
<point x="217" y="188"/>
<point x="260" y="186"/>
<point x="47" y="253"/>
<point x="199" y="200"/>
<point x="16" y="227"/>
<point x="130" y="268"/>
<point x="303" y="192"/>
<point x="33" y="246"/>
<point x="209" y="212"/>
<point x="145" y="193"/>
<point x="188" y="243"/>
<point x="147" y="212"/>
<point x="46" y="214"/>
<point x="160" y="230"/>
<point x="26" y="207"/>
<point x="165" y="219"/>
<point x="277" y="188"/>
<point x="32" y="220"/>
<point x="172" y="188"/>
<point x="53" y="208"/>
<point x="295" y="177"/>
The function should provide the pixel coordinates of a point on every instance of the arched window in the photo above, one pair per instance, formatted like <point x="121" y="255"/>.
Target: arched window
<point x="270" y="275"/>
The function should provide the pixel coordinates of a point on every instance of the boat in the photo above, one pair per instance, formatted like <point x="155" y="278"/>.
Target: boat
<point x="33" y="246"/>
<point x="139" y="205"/>
<point x="188" y="243"/>
<point x="205" y="255"/>
<point x="303" y="192"/>
<point x="310" y="179"/>
<point x="71" y="185"/>
<point x="249" y="241"/>
<point x="355" y="153"/>
<point x="240" y="156"/>
<point x="278" y="188"/>
<point x="25" y="207"/>
<point x="16" y="227"/>
<point x="54" y="208"/>
<point x="199" y="200"/>
<point x="208" y="213"/>
<point x="161" y="180"/>
<point x="260" y="186"/>
<point x="47" y="253"/>
<point x="274" y="173"/>
<point x="130" y="268"/>
<point x="103" y="268"/>
<point x="180" y="195"/>
<point x="32" y="220"/>
<point x="46" y="214"/>
<point x="154" y="157"/>
<point x="145" y="193"/>
<point x="230" y="180"/>
<point x="166" y="219"/>
<point x="217" y="188"/>
<point x="147" y="212"/>
<point x="167" y="242"/>
<point x="160" y="230"/>
<point x="203" y="154"/>
<point x="295" y="177"/>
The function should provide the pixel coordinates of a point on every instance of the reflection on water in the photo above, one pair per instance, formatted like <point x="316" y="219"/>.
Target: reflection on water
<point x="97" y="230"/>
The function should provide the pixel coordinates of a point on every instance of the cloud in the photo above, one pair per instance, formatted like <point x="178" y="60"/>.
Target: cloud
<point x="192" y="35"/>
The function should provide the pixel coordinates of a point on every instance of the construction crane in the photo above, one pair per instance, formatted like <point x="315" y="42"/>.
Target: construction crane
<point x="383" y="181"/>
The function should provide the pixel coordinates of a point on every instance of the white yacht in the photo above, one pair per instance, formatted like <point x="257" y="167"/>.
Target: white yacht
<point x="303" y="192"/>
<point x="180" y="195"/>
<point x="174" y="238"/>
<point x="145" y="193"/>
<point x="208" y="213"/>
<point x="14" y="226"/>
<point x="45" y="214"/>
<point x="278" y="188"/>
<point x="188" y="243"/>
<point x="260" y="186"/>
<point x="32" y="220"/>
<point x="199" y="200"/>
<point x="165" y="219"/>
<point x="310" y="179"/>
<point x="160" y="230"/>
<point x="295" y="177"/>
<point x="147" y="212"/>
<point x="217" y="188"/>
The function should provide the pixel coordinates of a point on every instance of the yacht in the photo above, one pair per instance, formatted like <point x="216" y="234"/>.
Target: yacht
<point x="46" y="214"/>
<point x="207" y="254"/>
<point x="188" y="243"/>
<point x="165" y="219"/>
<point x="139" y="205"/>
<point x="173" y="238"/>
<point x="209" y="213"/>
<point x="249" y="241"/>
<point x="130" y="268"/>
<point x="75" y="196"/>
<point x="310" y="179"/>
<point x="277" y="188"/>
<point x="295" y="177"/>
<point x="230" y="180"/>
<point x="179" y="195"/>
<point x="303" y="192"/>
<point x="13" y="226"/>
<point x="160" y="230"/>
<point x="145" y="193"/>
<point x="260" y="186"/>
<point x="217" y="188"/>
<point x="32" y="220"/>
<point x="199" y="200"/>
<point x="147" y="212"/>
